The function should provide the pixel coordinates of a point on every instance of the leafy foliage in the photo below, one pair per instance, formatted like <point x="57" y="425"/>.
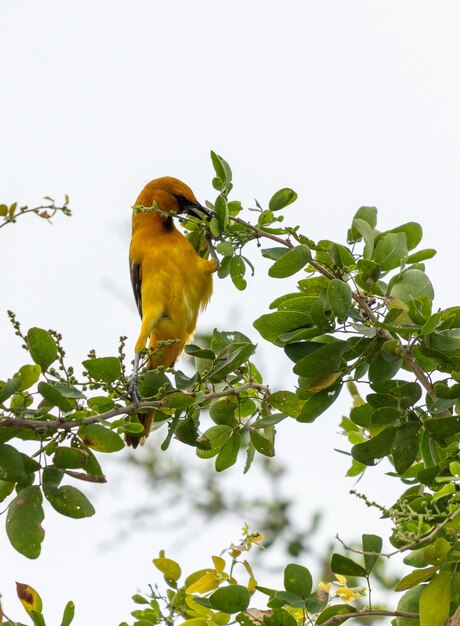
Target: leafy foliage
<point x="361" y="317"/>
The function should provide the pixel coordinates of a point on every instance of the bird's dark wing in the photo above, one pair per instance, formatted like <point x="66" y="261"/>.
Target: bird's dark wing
<point x="136" y="282"/>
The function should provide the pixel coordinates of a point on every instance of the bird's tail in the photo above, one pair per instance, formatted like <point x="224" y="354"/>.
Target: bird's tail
<point x="165" y="356"/>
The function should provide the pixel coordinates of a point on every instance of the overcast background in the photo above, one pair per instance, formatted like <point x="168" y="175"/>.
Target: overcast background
<point x="348" y="102"/>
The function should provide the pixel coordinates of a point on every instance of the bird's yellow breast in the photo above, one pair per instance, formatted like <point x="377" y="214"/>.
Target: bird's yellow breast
<point x="173" y="276"/>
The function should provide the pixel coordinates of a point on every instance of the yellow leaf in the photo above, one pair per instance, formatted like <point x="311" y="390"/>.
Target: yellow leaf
<point x="248" y="568"/>
<point x="206" y="583"/>
<point x="169" y="568"/>
<point x="196" y="610"/>
<point x="324" y="382"/>
<point x="435" y="600"/>
<point x="252" y="584"/>
<point x="219" y="563"/>
<point x="346" y="594"/>
<point x="255" y="537"/>
<point x="195" y="621"/>
<point x="220" y="618"/>
<point x="235" y="553"/>
<point x="29" y="598"/>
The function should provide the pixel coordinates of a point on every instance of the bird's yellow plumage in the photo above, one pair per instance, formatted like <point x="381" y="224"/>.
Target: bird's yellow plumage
<point x="171" y="282"/>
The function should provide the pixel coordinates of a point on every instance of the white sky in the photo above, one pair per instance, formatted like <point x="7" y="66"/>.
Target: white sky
<point x="349" y="103"/>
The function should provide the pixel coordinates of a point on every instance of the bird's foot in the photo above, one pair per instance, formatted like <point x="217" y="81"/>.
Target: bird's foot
<point x="133" y="391"/>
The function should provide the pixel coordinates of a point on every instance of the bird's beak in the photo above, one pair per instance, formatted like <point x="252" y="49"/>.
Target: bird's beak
<point x="198" y="210"/>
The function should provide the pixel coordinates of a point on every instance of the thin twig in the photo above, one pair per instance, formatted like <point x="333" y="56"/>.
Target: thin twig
<point x="408" y="546"/>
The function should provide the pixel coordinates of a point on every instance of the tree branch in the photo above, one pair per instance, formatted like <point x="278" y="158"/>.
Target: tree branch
<point x="339" y="619"/>
<point x="62" y="424"/>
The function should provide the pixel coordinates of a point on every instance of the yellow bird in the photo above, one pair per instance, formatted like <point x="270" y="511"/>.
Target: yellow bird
<point x="170" y="280"/>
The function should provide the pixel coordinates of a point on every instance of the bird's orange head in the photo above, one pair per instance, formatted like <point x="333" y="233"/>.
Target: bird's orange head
<point x="172" y="196"/>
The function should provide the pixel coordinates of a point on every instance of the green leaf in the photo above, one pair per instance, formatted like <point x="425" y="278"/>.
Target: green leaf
<point x="296" y="302"/>
<point x="409" y="603"/>
<point x="318" y="402"/>
<point x="8" y="388"/>
<point x="237" y="271"/>
<point x="180" y="400"/>
<point x="28" y="376"/>
<point x="274" y="253"/>
<point x="286" y="402"/>
<point x="70" y="458"/>
<point x="230" y="599"/>
<point x="371" y="543"/>
<point x="368" y="214"/>
<point x="221" y="209"/>
<point x="12" y="466"/>
<point x="411" y="283"/>
<point x="386" y="415"/>
<point x="69" y="613"/>
<point x="391" y="251"/>
<point x="343" y="565"/>
<point x="331" y="611"/>
<point x="405" y="446"/>
<point x="381" y="369"/>
<point x="54" y="397"/>
<point x="105" y="369"/>
<point x="291" y="262"/>
<point x="341" y="256"/>
<point x="298" y="580"/>
<point x="42" y="347"/>
<point x="52" y="477"/>
<point x="69" y="391"/>
<point x="225" y="248"/>
<point x="436" y="553"/>
<point x="281" y="199"/>
<point x="69" y="501"/>
<point x="169" y="568"/>
<point x="223" y="173"/>
<point x="323" y="361"/>
<point x="101" y="404"/>
<point x="261" y="443"/>
<point x="313" y="286"/>
<point x="236" y="358"/>
<point x="435" y="600"/>
<point x="339" y="295"/>
<point x="215" y="437"/>
<point x="23" y="522"/>
<point x="279" y="617"/>
<point x="411" y="230"/>
<point x="367" y="233"/>
<point x="6" y="488"/>
<point x="150" y="383"/>
<point x="229" y="452"/>
<point x="100" y="438"/>
<point x="187" y="431"/>
<point x="223" y="411"/>
<point x="291" y="599"/>
<point x="369" y="270"/>
<point x="369" y="452"/>
<point x="421" y="255"/>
